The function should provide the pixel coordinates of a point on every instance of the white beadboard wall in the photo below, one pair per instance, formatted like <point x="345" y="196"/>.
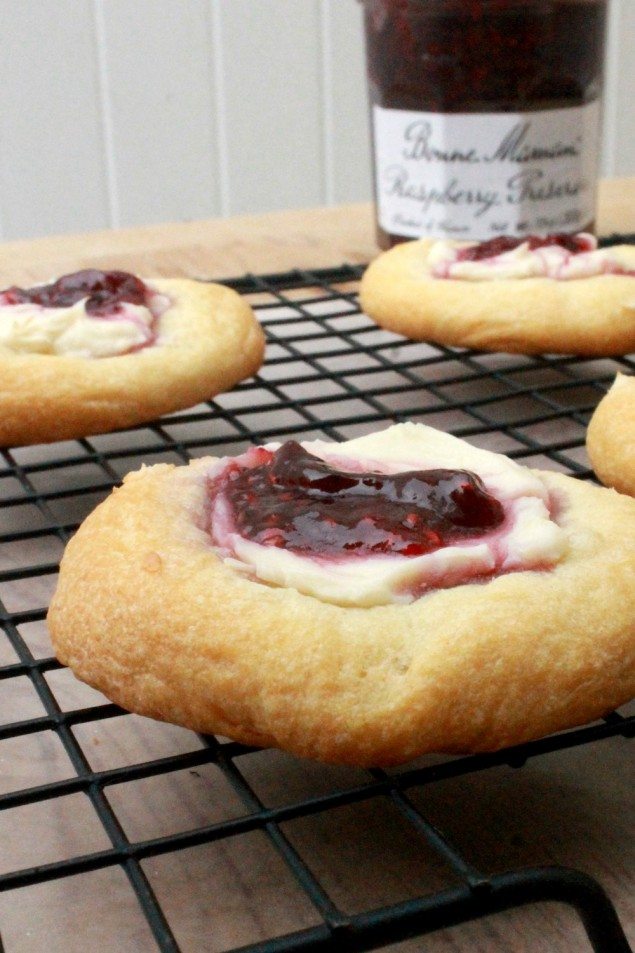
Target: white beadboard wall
<point x="127" y="112"/>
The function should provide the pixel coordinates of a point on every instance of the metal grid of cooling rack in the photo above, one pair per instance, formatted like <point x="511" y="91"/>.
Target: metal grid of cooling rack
<point x="330" y="372"/>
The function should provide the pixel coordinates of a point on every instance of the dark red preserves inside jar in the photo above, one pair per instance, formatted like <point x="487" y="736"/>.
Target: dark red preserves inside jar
<point x="485" y="115"/>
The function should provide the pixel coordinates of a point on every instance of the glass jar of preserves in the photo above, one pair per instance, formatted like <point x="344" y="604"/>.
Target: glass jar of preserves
<point x="485" y="115"/>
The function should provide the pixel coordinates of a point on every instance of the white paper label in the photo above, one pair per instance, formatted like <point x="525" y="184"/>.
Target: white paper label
<point x="478" y="175"/>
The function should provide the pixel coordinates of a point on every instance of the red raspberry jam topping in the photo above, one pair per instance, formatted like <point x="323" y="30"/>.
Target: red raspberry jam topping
<point x="105" y="292"/>
<point x="294" y="500"/>
<point x="498" y="246"/>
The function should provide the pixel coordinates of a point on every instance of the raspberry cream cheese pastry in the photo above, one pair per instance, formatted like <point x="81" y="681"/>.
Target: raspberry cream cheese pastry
<point x="527" y="295"/>
<point x="610" y="437"/>
<point x="362" y="602"/>
<point x="94" y="351"/>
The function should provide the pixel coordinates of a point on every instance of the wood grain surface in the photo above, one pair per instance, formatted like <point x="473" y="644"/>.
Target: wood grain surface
<point x="215" y="248"/>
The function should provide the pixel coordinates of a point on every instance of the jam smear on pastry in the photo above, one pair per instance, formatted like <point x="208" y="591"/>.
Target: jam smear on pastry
<point x="504" y="243"/>
<point x="86" y="314"/>
<point x="104" y="291"/>
<point x="294" y="500"/>
<point x="558" y="256"/>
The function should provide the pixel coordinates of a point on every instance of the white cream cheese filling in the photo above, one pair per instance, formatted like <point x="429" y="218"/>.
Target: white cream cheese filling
<point x="528" y="539"/>
<point x="551" y="261"/>
<point x="29" y="328"/>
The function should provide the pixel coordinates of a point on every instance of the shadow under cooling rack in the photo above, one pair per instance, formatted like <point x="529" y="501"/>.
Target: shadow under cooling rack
<point x="132" y="835"/>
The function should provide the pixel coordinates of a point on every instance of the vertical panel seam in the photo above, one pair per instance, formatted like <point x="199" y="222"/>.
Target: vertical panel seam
<point x="211" y="118"/>
<point x="1" y="202"/>
<point x="114" y="211"/>
<point x="611" y="85"/>
<point x="326" y="89"/>
<point x="2" y="180"/>
<point x="222" y="142"/>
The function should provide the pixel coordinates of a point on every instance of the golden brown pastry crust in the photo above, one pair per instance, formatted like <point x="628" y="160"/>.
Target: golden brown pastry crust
<point x="148" y="613"/>
<point x="528" y="315"/>
<point x="209" y="340"/>
<point x="610" y="438"/>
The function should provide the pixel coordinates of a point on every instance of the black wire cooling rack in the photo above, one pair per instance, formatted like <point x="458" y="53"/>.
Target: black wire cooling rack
<point x="281" y="827"/>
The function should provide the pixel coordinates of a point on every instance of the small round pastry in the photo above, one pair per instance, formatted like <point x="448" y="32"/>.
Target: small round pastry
<point x="558" y="294"/>
<point x="362" y="602"/>
<point x="95" y="351"/>
<point x="610" y="438"/>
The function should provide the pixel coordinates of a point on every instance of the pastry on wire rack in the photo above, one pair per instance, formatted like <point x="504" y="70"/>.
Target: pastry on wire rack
<point x="362" y="602"/>
<point x="610" y="437"/>
<point x="95" y="351"/>
<point x="558" y="294"/>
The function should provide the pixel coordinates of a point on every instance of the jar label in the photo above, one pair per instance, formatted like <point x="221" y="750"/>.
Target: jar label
<point x="478" y="175"/>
